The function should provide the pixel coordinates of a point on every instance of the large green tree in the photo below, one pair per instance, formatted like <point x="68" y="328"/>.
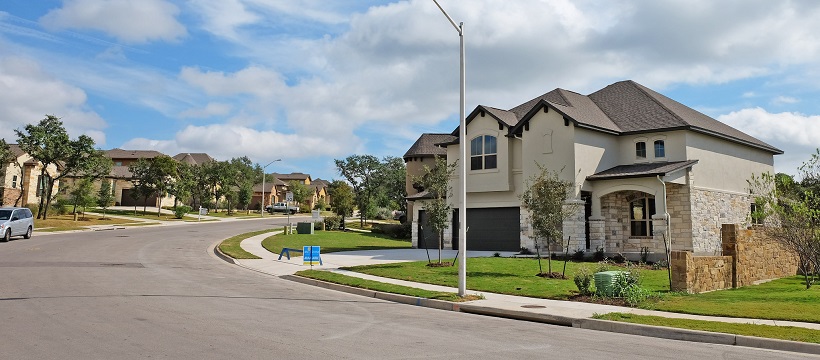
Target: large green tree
<point x="48" y="143"/>
<point x="342" y="200"/>
<point x="154" y="177"/>
<point x="436" y="182"/>
<point x="301" y="192"/>
<point x="361" y="171"/>
<point x="392" y="180"/>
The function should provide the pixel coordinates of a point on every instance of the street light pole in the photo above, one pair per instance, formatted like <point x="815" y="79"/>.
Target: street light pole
<point x="263" y="185"/>
<point x="462" y="135"/>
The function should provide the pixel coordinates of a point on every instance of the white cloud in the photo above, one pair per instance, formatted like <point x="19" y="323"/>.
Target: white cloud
<point x="251" y="80"/>
<point x="227" y="141"/>
<point x="796" y="133"/>
<point x="782" y="100"/>
<point x="27" y="94"/>
<point x="131" y="21"/>
<point x="212" y="109"/>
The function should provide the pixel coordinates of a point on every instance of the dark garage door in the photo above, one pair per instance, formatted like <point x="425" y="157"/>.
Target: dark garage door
<point x="427" y="239"/>
<point x="492" y="229"/>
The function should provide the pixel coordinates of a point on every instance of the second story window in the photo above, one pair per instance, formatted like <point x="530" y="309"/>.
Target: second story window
<point x="14" y="182"/>
<point x="660" y="151"/>
<point x="483" y="153"/>
<point x="640" y="150"/>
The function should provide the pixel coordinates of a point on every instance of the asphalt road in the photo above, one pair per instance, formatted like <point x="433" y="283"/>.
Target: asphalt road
<point x="156" y="292"/>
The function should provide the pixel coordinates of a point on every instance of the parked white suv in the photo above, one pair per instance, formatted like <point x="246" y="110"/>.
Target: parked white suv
<point x="15" y="222"/>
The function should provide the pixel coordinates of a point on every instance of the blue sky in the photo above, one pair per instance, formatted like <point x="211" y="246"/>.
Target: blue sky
<point x="312" y="81"/>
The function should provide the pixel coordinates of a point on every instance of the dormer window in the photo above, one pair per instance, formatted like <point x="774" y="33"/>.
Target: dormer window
<point x="640" y="150"/>
<point x="483" y="153"/>
<point x="660" y="151"/>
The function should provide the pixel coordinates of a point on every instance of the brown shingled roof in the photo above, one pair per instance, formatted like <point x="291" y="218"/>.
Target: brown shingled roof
<point x="193" y="158"/>
<point x="132" y="154"/>
<point x="623" y="108"/>
<point x="425" y="146"/>
<point x="641" y="170"/>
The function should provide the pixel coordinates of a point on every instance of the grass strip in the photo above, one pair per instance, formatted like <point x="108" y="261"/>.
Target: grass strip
<point x="765" y="331"/>
<point x="230" y="246"/>
<point x="334" y="241"/>
<point x="383" y="287"/>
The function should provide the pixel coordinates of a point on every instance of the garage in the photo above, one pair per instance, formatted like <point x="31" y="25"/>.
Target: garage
<point x="427" y="239"/>
<point x="127" y="200"/>
<point x="491" y="229"/>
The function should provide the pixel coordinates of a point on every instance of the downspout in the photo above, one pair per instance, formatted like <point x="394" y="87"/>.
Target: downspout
<point x="667" y="235"/>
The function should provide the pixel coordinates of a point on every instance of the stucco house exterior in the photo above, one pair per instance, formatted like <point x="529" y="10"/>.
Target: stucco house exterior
<point x="636" y="157"/>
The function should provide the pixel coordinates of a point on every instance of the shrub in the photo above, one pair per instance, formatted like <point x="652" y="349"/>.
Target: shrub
<point x="644" y="254"/>
<point x="598" y="255"/>
<point x="60" y="206"/>
<point x="181" y="210"/>
<point x="583" y="280"/>
<point x="619" y="258"/>
<point x="333" y="222"/>
<point x="318" y="225"/>
<point x="33" y="207"/>
<point x="396" y="231"/>
<point x="627" y="285"/>
<point x="383" y="214"/>
<point x="578" y="255"/>
<point x="661" y="264"/>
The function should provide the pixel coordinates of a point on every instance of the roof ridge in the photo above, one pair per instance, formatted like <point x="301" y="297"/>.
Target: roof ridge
<point x="669" y="111"/>
<point x="560" y="93"/>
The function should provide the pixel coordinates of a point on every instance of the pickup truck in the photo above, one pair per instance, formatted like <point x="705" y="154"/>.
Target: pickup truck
<point x="282" y="207"/>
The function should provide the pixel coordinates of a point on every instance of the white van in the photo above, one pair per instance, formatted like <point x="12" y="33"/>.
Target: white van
<point x="15" y="222"/>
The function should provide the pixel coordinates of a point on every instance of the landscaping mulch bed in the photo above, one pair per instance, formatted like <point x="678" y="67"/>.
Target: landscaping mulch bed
<point x="552" y="275"/>
<point x="599" y="300"/>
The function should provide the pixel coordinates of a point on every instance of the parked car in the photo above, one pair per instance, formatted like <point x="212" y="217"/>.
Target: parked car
<point x="15" y="222"/>
<point x="282" y="207"/>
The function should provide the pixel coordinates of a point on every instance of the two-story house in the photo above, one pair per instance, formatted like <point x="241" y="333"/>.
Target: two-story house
<point x="637" y="159"/>
<point x="22" y="182"/>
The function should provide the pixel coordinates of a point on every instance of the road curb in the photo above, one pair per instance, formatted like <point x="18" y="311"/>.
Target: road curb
<point x="696" y="336"/>
<point x="518" y="315"/>
<point x="222" y="255"/>
<point x="398" y="298"/>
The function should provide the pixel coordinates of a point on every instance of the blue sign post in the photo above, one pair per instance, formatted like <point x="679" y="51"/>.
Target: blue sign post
<point x="311" y="255"/>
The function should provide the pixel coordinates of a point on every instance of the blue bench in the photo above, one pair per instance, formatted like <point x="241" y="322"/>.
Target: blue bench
<point x="286" y="252"/>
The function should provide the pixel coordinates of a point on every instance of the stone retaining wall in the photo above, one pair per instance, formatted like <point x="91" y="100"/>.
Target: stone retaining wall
<point x="748" y="256"/>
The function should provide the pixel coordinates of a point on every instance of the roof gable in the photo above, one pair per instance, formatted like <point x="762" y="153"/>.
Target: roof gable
<point x="427" y="145"/>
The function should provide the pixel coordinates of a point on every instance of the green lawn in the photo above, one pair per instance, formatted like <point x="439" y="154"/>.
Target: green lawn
<point x="514" y="276"/>
<point x="149" y="215"/>
<point x="767" y="331"/>
<point x="383" y="287"/>
<point x="334" y="241"/>
<point x="783" y="299"/>
<point x="230" y="246"/>
<point x="66" y="222"/>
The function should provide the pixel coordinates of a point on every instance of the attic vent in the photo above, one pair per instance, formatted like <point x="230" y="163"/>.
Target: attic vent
<point x="566" y="121"/>
<point x="546" y="109"/>
<point x="500" y="126"/>
<point x="482" y="113"/>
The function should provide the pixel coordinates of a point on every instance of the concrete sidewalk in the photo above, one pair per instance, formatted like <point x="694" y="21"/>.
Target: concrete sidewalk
<point x="568" y="313"/>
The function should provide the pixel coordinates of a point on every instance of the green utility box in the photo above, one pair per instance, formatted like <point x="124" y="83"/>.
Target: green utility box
<point x="304" y="228"/>
<point x="604" y="281"/>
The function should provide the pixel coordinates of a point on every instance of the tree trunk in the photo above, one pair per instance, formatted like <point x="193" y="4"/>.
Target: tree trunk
<point x="42" y="198"/>
<point x="440" y="244"/>
<point x="47" y="199"/>
<point x="566" y="258"/>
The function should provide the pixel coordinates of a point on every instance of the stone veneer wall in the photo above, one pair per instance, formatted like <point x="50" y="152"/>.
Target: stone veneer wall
<point x="10" y="195"/>
<point x="710" y="209"/>
<point x="749" y="256"/>
<point x="697" y="274"/>
<point x="616" y="228"/>
<point x="757" y="257"/>
<point x="679" y="206"/>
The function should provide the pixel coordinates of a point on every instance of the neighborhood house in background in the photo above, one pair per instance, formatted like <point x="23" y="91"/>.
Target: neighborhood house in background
<point x="633" y="155"/>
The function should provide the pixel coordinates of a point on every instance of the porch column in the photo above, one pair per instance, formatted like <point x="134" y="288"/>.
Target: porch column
<point x="597" y="232"/>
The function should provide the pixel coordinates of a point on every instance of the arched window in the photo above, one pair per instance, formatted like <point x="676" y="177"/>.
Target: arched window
<point x="483" y="153"/>
<point x="640" y="150"/>
<point x="660" y="151"/>
<point x="640" y="216"/>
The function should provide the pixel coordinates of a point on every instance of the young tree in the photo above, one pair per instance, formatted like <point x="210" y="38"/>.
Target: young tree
<point x="105" y="197"/>
<point x="361" y="171"/>
<point x="154" y="176"/>
<point x="81" y="195"/>
<point x="791" y="215"/>
<point x="545" y="198"/>
<point x="341" y="199"/>
<point x="436" y="182"/>
<point x="49" y="144"/>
